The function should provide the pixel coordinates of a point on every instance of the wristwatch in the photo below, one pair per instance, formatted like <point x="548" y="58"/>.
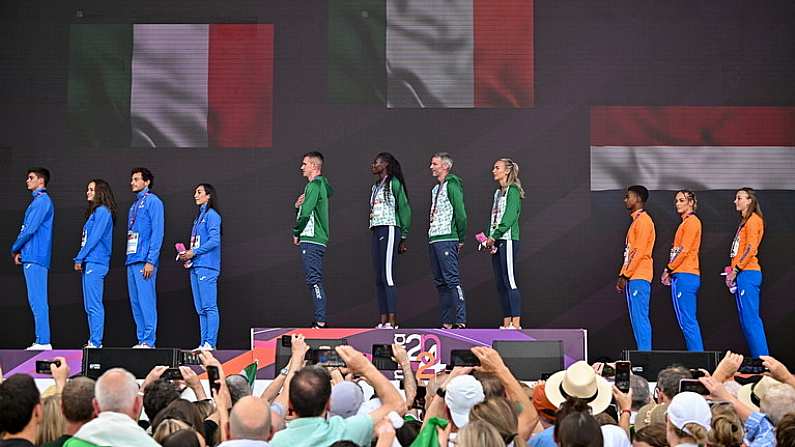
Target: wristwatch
<point x="284" y="371"/>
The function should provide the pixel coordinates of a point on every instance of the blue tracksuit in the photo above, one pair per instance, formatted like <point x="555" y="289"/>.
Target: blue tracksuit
<point x="684" y="291"/>
<point x="638" y="292"/>
<point x="444" y="263"/>
<point x="312" y="258"/>
<point x="502" y="263"/>
<point x="34" y="243"/>
<point x="385" y="243"/>
<point x="144" y="240"/>
<point x="94" y="254"/>
<point x="206" y="245"/>
<point x="747" y="296"/>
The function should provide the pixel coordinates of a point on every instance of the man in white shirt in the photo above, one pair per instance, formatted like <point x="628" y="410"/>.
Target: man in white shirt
<point x="118" y="404"/>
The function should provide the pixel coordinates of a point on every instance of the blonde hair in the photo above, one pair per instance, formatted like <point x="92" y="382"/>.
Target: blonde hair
<point x="727" y="428"/>
<point x="689" y="196"/>
<point x="498" y="413"/>
<point x="167" y="427"/>
<point x="479" y="434"/>
<point x="53" y="423"/>
<point x="513" y="174"/>
<point x="698" y="434"/>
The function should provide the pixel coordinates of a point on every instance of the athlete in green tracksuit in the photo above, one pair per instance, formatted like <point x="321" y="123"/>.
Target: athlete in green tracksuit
<point x="390" y="219"/>
<point x="311" y="230"/>
<point x="448" y="225"/>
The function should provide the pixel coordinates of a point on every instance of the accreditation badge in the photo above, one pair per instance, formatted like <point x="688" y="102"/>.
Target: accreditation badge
<point x="195" y="241"/>
<point x="83" y="239"/>
<point x="132" y="242"/>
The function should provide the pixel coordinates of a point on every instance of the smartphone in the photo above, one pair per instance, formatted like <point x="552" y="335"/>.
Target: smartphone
<point x="693" y="385"/>
<point x="463" y="357"/>
<point x="43" y="366"/>
<point x="752" y="366"/>
<point x="326" y="357"/>
<point x="213" y="376"/>
<point x="172" y="374"/>
<point x="287" y="341"/>
<point x="622" y="376"/>
<point x="608" y="371"/>
<point x="419" y="401"/>
<point x="382" y="358"/>
<point x="189" y="358"/>
<point x="696" y="373"/>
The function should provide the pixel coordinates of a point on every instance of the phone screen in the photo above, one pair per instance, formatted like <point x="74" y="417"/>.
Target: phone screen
<point x="327" y="357"/>
<point x="622" y="376"/>
<point x="463" y="357"/>
<point x="382" y="358"/>
<point x="213" y="376"/>
<point x="752" y="366"/>
<point x="693" y="385"/>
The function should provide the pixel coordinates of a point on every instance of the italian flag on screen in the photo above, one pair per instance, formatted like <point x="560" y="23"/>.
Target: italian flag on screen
<point x="431" y="53"/>
<point x="171" y="85"/>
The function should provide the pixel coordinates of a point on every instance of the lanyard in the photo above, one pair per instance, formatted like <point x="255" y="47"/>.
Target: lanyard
<point x="194" y="231"/>
<point x="138" y="204"/>
<point x="436" y="199"/>
<point x="736" y="237"/>
<point x="376" y="189"/>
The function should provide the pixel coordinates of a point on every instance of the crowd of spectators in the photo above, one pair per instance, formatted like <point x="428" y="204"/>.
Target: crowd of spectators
<point x="356" y="405"/>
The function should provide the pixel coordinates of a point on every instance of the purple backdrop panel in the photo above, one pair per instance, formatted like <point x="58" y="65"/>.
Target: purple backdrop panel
<point x="428" y="349"/>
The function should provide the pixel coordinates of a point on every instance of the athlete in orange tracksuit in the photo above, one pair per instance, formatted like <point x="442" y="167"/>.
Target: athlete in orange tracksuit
<point x="634" y="280"/>
<point x="682" y="272"/>
<point x="746" y="273"/>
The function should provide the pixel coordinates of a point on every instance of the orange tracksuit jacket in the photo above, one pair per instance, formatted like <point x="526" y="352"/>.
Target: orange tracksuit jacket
<point x="746" y="244"/>
<point x="684" y="253"/>
<point x="638" y="248"/>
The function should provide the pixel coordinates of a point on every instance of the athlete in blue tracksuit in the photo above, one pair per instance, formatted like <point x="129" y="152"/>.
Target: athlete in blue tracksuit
<point x="144" y="240"/>
<point x="33" y="250"/>
<point x="204" y="261"/>
<point x="93" y="259"/>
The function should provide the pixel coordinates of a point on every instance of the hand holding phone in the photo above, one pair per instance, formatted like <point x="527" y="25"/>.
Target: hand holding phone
<point x="43" y="366"/>
<point x="171" y="374"/>
<point x="751" y="365"/>
<point x="622" y="380"/>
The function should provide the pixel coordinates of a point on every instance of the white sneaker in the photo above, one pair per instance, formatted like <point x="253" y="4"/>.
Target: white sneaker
<point x="379" y="326"/>
<point x="90" y="345"/>
<point x="39" y="347"/>
<point x="387" y="326"/>
<point x="143" y="346"/>
<point x="206" y="347"/>
<point x="502" y="328"/>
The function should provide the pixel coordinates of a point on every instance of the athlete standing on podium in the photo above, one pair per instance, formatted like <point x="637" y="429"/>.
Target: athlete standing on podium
<point x="33" y="250"/>
<point x="447" y="232"/>
<point x="311" y="230"/>
<point x="390" y="218"/>
<point x="682" y="272"/>
<point x="634" y="280"/>
<point x="145" y="224"/>
<point x="204" y="261"/>
<point x="93" y="259"/>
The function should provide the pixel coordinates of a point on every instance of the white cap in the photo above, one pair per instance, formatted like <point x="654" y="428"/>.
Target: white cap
<point x="689" y="408"/>
<point x="463" y="393"/>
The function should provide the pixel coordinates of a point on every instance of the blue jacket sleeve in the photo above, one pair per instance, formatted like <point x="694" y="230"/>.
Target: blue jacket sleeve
<point x="102" y="220"/>
<point x="156" y="242"/>
<point x="38" y="211"/>
<point x="214" y="234"/>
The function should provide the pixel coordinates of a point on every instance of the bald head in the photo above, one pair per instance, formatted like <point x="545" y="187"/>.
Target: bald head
<point x="250" y="419"/>
<point x="117" y="391"/>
